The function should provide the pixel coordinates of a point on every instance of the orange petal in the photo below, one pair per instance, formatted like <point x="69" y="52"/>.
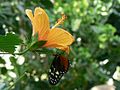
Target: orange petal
<point x="66" y="49"/>
<point x="40" y="22"/>
<point x="59" y="38"/>
<point x="61" y="47"/>
<point x="29" y="14"/>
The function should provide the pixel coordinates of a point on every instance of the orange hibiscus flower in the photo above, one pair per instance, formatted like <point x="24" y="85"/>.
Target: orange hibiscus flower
<point x="55" y="37"/>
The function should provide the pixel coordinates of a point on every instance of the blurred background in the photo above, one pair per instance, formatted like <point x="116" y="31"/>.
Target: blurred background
<point x="94" y="56"/>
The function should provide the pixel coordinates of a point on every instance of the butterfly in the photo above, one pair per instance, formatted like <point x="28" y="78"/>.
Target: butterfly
<point x="57" y="69"/>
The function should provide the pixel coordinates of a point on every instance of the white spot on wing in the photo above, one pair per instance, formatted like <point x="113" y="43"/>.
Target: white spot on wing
<point x="57" y="73"/>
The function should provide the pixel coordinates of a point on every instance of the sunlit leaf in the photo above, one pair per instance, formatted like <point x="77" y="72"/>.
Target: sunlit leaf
<point x="8" y="42"/>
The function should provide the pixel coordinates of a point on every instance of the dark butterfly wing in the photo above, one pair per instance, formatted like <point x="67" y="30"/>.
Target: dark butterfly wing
<point x="58" y="68"/>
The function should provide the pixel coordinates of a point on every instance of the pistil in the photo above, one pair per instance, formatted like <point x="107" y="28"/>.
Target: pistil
<point x="60" y="21"/>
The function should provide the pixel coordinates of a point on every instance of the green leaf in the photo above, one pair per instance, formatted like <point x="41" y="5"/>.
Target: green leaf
<point x="3" y="70"/>
<point x="40" y="43"/>
<point x="37" y="45"/>
<point x="47" y="4"/>
<point x="8" y="42"/>
<point x="35" y="38"/>
<point x="2" y="61"/>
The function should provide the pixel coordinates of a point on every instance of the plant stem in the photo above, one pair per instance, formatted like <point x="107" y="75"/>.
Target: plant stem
<point x="20" y="53"/>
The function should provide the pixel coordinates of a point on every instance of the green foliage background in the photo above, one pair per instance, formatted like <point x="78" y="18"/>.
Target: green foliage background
<point x="95" y="25"/>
